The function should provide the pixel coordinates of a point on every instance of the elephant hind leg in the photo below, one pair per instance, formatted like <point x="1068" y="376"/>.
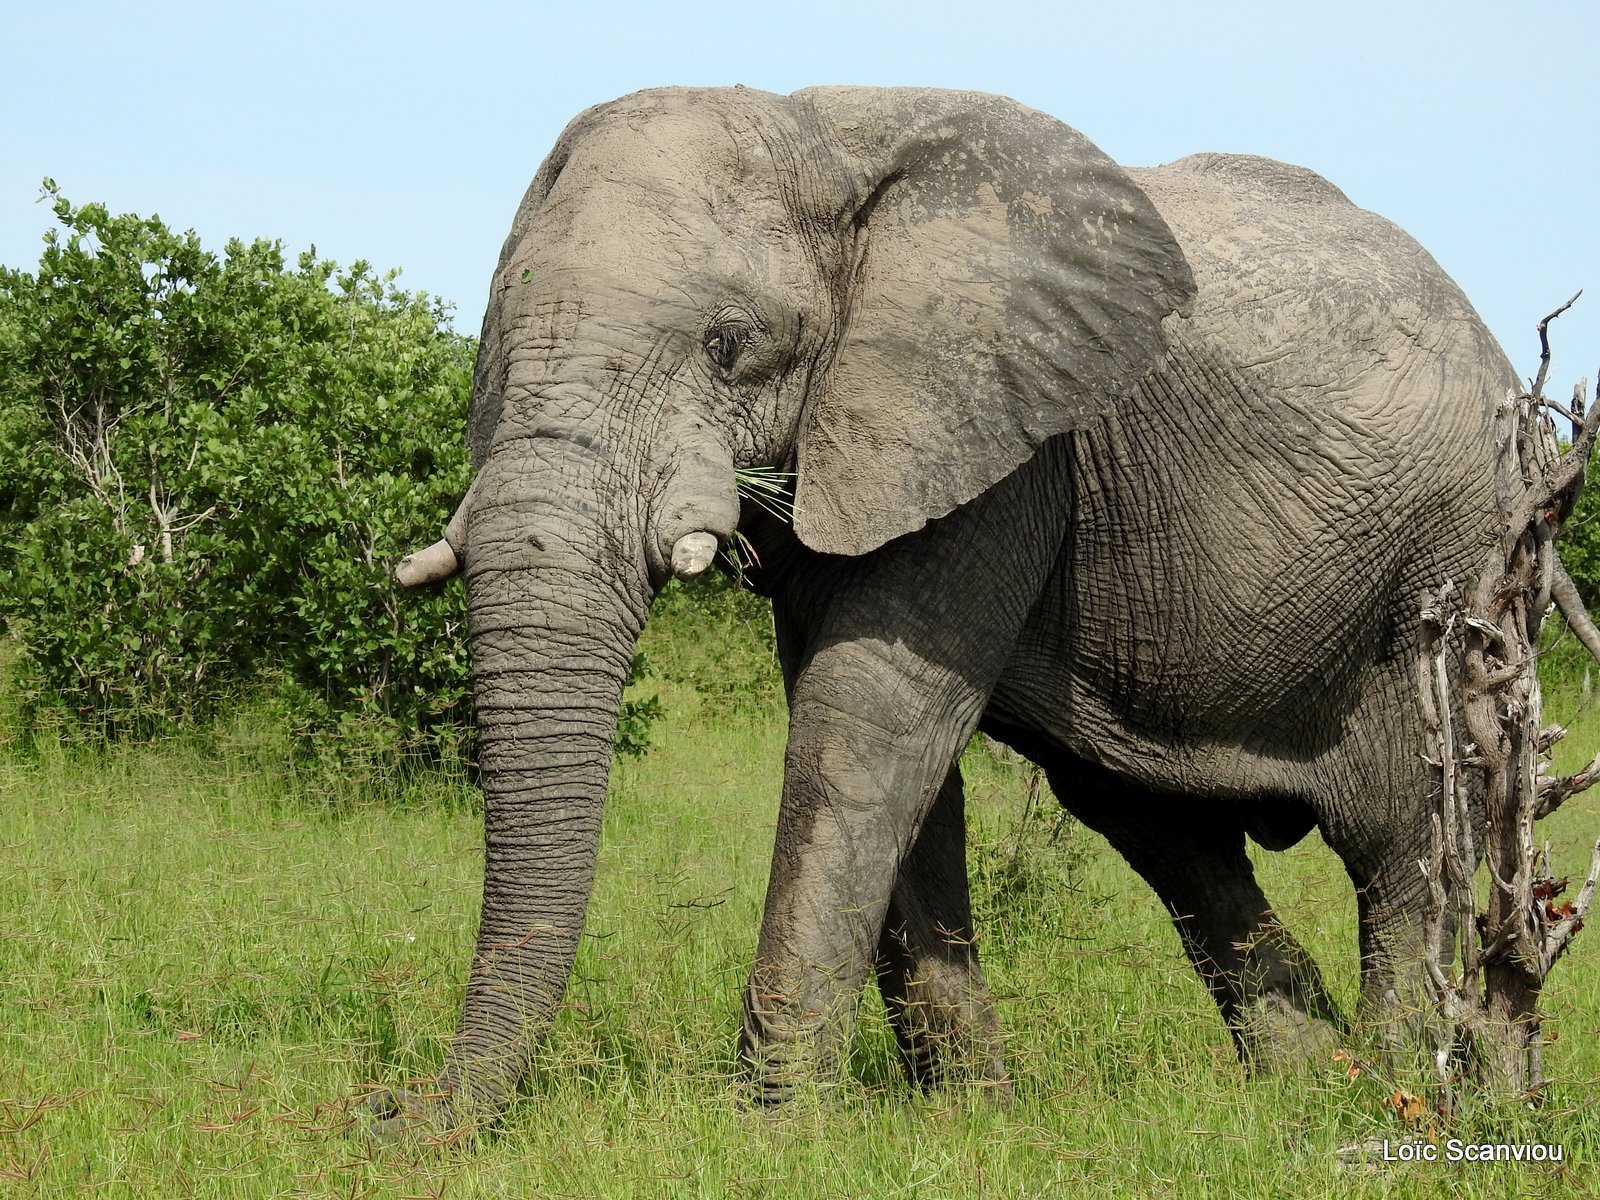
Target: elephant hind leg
<point x="928" y="971"/>
<point x="1267" y="986"/>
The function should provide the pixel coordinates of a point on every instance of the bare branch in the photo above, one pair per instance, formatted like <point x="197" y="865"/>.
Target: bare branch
<point x="1565" y="593"/>
<point x="1544" y="344"/>
<point x="1570" y="920"/>
<point x="1507" y="952"/>
<point x="1572" y="415"/>
<point x="1544" y="538"/>
<point x="1553" y="791"/>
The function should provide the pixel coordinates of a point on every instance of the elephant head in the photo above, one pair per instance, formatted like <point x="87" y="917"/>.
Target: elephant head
<point x="896" y="294"/>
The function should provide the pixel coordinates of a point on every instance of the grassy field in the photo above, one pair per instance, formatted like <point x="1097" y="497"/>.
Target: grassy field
<point x="206" y="957"/>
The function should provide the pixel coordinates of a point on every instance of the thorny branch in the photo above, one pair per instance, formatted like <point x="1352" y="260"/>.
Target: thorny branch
<point x="1506" y="953"/>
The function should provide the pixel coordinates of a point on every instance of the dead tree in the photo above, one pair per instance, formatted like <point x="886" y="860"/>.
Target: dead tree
<point x="1488" y="968"/>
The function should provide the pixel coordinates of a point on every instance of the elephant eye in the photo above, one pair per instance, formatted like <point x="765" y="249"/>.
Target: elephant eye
<point x="724" y="342"/>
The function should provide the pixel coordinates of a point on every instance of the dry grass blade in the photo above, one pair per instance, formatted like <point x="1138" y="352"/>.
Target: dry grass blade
<point x="769" y="489"/>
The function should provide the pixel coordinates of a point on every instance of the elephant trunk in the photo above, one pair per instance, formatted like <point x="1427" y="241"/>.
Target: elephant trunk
<point x="557" y="595"/>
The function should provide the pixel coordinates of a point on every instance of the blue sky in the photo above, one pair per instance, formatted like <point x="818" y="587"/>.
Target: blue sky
<point x="405" y="133"/>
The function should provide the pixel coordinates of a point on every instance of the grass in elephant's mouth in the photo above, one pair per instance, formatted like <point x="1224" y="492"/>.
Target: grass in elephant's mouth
<point x="200" y="969"/>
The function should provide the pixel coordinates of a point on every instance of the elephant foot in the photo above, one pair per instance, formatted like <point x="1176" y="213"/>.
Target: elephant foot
<point x="1400" y="1025"/>
<point x="983" y="1082"/>
<point x="1276" y="1036"/>
<point x="794" y="1040"/>
<point x="953" y="1047"/>
<point x="807" y="1064"/>
<point x="400" y="1117"/>
<point x="780" y="1074"/>
<point x="975" y="1070"/>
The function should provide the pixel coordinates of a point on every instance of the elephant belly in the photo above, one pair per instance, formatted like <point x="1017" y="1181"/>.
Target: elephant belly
<point x="1225" y="607"/>
<point x="1177" y="735"/>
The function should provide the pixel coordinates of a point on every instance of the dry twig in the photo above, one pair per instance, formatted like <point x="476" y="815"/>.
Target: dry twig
<point x="1490" y="1005"/>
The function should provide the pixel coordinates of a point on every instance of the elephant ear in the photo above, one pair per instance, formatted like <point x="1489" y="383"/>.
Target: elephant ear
<point x="1008" y="283"/>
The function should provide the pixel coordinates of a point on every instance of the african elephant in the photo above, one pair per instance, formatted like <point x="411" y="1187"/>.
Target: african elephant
<point x="1142" y="472"/>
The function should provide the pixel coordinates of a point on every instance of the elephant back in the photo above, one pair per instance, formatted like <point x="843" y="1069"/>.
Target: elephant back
<point x="1323" y="302"/>
<point x="1281" y="182"/>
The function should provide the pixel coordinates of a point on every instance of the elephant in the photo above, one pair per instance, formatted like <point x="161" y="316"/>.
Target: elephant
<point x="1142" y="472"/>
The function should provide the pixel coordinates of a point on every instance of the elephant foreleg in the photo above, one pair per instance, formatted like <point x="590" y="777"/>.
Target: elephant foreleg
<point x="928" y="972"/>
<point x="890" y="659"/>
<point x="858" y="785"/>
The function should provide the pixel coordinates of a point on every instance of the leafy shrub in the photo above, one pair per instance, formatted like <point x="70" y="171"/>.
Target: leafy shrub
<point x="213" y="462"/>
<point x="1580" y="539"/>
<point x="638" y="713"/>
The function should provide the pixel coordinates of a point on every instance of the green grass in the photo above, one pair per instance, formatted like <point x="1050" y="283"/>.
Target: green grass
<point x="203" y="960"/>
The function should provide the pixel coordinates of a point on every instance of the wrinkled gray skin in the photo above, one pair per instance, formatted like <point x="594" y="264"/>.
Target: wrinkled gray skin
<point x="1141" y="472"/>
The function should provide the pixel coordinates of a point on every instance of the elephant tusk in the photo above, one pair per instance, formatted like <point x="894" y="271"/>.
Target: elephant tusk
<point x="433" y="565"/>
<point x="442" y="560"/>
<point x="692" y="554"/>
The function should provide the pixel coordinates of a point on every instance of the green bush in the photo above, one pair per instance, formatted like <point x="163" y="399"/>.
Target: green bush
<point x="212" y="464"/>
<point x="716" y="638"/>
<point x="1580" y="538"/>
